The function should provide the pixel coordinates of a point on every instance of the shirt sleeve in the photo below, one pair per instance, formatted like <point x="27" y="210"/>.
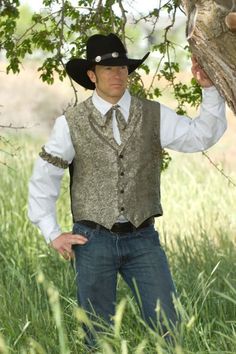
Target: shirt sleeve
<point x="183" y="134"/>
<point x="44" y="185"/>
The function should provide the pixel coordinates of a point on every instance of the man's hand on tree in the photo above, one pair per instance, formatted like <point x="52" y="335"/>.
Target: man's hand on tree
<point x="200" y="74"/>
<point x="63" y="244"/>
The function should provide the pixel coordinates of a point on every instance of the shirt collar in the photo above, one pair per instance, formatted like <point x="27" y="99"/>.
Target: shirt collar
<point x="104" y="106"/>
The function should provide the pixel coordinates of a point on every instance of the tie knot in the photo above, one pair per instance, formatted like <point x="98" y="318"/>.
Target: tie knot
<point x="115" y="107"/>
<point x="109" y="113"/>
<point x="121" y="122"/>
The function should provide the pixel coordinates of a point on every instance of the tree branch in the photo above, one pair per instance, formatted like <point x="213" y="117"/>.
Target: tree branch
<point x="219" y="169"/>
<point x="10" y="126"/>
<point x="124" y="19"/>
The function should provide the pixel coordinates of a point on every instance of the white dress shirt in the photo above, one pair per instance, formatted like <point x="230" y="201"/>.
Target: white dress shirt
<point x="178" y="133"/>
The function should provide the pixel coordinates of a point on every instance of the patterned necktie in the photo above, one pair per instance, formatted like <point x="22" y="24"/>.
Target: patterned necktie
<point x="121" y="122"/>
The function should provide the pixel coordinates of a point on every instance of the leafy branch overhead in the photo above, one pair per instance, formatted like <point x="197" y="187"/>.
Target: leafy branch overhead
<point x="60" y="30"/>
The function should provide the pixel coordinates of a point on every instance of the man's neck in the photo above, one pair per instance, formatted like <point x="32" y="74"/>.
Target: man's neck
<point x="113" y="100"/>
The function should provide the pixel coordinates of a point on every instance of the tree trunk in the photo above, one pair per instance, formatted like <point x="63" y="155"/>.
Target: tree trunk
<point x="211" y="32"/>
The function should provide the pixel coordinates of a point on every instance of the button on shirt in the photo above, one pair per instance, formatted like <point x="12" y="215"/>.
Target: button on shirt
<point x="178" y="133"/>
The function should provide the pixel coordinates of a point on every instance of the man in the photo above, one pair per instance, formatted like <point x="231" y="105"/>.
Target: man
<point x="112" y="143"/>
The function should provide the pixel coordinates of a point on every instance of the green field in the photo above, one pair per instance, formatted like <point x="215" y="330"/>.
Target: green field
<point x="38" y="312"/>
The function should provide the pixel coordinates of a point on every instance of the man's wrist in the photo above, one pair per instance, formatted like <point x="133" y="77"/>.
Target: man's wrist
<point x="211" y="93"/>
<point x="53" y="236"/>
<point x="49" y="228"/>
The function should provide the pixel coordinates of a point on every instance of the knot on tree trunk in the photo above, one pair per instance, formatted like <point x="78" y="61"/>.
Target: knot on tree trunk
<point x="230" y="21"/>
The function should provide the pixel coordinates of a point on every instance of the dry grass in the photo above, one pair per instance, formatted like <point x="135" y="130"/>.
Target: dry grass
<point x="27" y="101"/>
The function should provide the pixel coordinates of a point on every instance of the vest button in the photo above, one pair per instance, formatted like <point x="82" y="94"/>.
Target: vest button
<point x="122" y="173"/>
<point x="121" y="156"/>
<point x="122" y="191"/>
<point x="122" y="209"/>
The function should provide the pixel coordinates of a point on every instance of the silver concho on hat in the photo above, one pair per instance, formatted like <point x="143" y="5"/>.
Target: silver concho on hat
<point x="114" y="55"/>
<point x="98" y="59"/>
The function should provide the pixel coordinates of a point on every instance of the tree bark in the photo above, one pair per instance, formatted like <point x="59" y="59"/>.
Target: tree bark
<point x="211" y="32"/>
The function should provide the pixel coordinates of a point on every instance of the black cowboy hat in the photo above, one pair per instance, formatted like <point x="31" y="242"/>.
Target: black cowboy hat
<point x="101" y="50"/>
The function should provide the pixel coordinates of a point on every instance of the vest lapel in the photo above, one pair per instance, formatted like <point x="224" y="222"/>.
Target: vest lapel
<point x="135" y="115"/>
<point x="97" y="122"/>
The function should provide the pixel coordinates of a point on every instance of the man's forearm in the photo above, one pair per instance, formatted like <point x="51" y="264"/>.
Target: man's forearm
<point x="44" y="189"/>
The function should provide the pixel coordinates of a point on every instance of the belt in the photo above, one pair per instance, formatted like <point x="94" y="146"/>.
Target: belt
<point x="119" y="227"/>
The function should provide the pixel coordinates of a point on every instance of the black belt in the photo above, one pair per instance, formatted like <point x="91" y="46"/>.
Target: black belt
<point x="119" y="227"/>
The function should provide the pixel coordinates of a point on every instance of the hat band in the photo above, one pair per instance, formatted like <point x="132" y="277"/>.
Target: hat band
<point x="113" y="55"/>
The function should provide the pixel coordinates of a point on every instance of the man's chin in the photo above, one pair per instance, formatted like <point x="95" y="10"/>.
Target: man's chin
<point x="117" y="91"/>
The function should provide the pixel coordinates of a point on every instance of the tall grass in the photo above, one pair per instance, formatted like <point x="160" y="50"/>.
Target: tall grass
<point x="38" y="311"/>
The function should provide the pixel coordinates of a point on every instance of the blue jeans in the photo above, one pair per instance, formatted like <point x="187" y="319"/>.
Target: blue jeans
<point x="140" y="260"/>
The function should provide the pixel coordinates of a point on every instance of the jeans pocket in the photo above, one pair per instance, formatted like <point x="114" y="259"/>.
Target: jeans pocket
<point x="85" y="231"/>
<point x="149" y="234"/>
<point x="156" y="238"/>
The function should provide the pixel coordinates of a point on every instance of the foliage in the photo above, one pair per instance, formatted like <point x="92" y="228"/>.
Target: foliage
<point x="60" y="31"/>
<point x="38" y="312"/>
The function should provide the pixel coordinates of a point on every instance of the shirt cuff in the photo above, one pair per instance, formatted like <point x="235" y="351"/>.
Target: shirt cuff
<point x="49" y="228"/>
<point x="211" y="93"/>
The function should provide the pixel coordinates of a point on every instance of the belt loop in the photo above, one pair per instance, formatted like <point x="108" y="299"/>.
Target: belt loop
<point x="98" y="227"/>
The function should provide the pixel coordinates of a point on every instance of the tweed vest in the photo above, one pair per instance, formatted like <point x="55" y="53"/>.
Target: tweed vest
<point x="107" y="179"/>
